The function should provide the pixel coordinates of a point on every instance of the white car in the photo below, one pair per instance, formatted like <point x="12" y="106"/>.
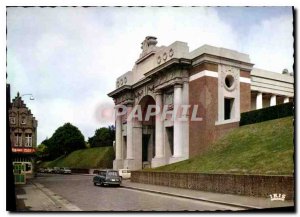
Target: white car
<point x="125" y="173"/>
<point x="65" y="170"/>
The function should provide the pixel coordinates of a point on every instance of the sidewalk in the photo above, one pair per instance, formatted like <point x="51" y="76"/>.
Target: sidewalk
<point x="225" y="199"/>
<point x="35" y="197"/>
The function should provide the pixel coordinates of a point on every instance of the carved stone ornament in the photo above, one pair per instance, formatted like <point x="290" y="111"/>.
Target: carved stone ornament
<point x="229" y="77"/>
<point x="149" y="42"/>
<point x="165" y="56"/>
<point x="151" y="88"/>
<point x="171" y="52"/>
<point x="158" y="59"/>
<point x="138" y="93"/>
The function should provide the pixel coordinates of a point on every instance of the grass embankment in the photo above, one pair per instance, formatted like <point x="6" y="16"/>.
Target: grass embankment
<point x="85" y="159"/>
<point x="262" y="148"/>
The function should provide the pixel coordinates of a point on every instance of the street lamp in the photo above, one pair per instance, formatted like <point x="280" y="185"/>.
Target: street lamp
<point x="28" y="94"/>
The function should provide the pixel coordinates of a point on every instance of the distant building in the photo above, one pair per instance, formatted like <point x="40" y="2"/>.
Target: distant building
<point x="221" y="83"/>
<point x="23" y="135"/>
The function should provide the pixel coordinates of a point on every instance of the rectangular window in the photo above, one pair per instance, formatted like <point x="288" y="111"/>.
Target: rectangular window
<point x="12" y="120"/>
<point x="28" y="137"/>
<point x="228" y="108"/>
<point x="18" y="141"/>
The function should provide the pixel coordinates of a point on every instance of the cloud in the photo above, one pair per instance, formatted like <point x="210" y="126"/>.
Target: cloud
<point x="270" y="43"/>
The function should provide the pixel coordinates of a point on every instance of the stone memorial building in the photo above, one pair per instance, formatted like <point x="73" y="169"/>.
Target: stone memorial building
<point x="217" y="84"/>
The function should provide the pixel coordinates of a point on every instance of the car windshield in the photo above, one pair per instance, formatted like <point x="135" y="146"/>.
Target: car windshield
<point x="112" y="173"/>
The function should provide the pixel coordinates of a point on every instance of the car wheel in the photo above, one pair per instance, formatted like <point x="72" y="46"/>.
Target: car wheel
<point x="95" y="183"/>
<point x="101" y="183"/>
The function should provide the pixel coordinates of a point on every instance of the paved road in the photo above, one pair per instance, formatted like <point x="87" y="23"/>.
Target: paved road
<point x="80" y="191"/>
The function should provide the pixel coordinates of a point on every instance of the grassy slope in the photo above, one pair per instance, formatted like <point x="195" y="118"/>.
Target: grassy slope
<point x="263" y="148"/>
<point x="85" y="158"/>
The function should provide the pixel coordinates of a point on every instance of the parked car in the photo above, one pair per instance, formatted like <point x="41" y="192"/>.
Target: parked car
<point x="65" y="170"/>
<point x="125" y="173"/>
<point x="56" y="170"/>
<point x="49" y="170"/>
<point x="107" y="177"/>
<point x="41" y="170"/>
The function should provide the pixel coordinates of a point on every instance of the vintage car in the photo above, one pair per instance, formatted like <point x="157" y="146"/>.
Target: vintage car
<point x="107" y="177"/>
<point x="49" y="170"/>
<point x="125" y="173"/>
<point x="56" y="170"/>
<point x="65" y="170"/>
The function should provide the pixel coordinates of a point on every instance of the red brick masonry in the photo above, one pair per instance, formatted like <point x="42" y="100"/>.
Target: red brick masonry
<point x="249" y="185"/>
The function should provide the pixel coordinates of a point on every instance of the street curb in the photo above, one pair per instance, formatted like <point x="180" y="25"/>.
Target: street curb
<point x="57" y="200"/>
<point x="195" y="198"/>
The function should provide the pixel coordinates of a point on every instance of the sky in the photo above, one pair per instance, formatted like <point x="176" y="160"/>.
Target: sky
<point x="69" y="57"/>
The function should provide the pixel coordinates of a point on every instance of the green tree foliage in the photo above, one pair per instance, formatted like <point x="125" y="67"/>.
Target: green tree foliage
<point x="65" y="140"/>
<point x="42" y="152"/>
<point x="103" y="137"/>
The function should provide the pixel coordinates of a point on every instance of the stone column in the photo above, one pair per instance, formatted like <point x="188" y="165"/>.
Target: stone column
<point x="118" y="136"/>
<point x="259" y="101"/>
<point x="273" y="100"/>
<point x="177" y="124"/>
<point x="185" y="123"/>
<point x="129" y="134"/>
<point x="159" y="142"/>
<point x="159" y="158"/>
<point x="286" y="99"/>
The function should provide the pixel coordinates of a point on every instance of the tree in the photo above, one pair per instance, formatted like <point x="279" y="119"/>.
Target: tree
<point x="65" y="140"/>
<point x="42" y="152"/>
<point x="103" y="137"/>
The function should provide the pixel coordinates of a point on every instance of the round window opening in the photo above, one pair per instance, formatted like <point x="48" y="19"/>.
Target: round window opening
<point x="229" y="80"/>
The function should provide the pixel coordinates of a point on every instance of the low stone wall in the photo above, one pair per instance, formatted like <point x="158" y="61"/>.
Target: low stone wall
<point x="250" y="185"/>
<point x="78" y="170"/>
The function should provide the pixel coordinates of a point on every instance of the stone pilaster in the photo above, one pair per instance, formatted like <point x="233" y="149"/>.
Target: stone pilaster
<point x="129" y="134"/>
<point x="286" y="99"/>
<point x="259" y="101"/>
<point x="177" y="123"/>
<point x="273" y="100"/>
<point x="118" y="162"/>
<point x="159" y="158"/>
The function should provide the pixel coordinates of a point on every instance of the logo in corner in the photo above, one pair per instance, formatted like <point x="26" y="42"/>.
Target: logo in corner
<point x="280" y="197"/>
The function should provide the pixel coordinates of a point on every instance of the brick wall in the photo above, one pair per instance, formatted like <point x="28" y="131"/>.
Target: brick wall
<point x="249" y="185"/>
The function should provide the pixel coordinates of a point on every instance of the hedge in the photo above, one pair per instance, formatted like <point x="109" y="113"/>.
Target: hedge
<point x="265" y="114"/>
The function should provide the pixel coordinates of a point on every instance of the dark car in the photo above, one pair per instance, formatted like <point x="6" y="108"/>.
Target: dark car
<point x="107" y="177"/>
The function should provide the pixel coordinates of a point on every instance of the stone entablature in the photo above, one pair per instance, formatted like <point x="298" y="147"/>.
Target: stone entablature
<point x="156" y="59"/>
<point x="270" y="82"/>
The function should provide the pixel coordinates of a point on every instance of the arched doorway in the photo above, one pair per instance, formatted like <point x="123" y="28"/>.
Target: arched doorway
<point x="148" y="132"/>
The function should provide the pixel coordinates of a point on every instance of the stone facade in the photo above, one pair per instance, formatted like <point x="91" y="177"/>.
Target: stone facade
<point x="23" y="134"/>
<point x="215" y="82"/>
